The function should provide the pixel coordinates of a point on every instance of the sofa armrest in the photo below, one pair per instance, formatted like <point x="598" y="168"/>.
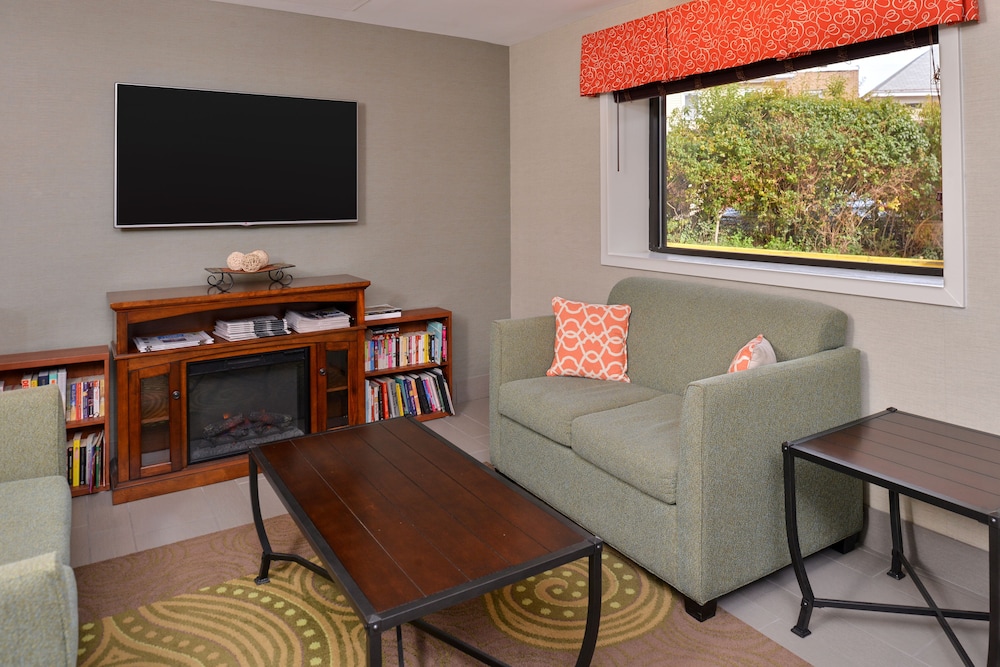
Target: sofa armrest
<point x="519" y="349"/>
<point x="730" y="477"/>
<point x="32" y="434"/>
<point x="38" y="612"/>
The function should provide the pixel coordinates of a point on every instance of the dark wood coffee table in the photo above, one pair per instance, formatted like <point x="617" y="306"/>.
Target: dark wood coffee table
<point x="408" y="525"/>
<point x="948" y="466"/>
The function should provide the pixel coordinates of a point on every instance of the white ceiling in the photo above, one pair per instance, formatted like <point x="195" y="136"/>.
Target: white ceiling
<point x="503" y="22"/>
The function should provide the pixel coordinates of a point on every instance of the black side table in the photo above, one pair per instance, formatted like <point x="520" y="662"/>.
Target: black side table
<point x="948" y="466"/>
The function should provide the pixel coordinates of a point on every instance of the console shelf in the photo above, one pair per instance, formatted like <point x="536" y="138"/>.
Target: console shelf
<point x="149" y="453"/>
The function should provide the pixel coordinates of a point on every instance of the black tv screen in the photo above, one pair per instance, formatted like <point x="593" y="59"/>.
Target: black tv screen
<point x="197" y="157"/>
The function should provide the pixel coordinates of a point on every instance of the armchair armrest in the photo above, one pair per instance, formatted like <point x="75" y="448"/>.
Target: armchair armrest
<point x="32" y="434"/>
<point x="38" y="612"/>
<point x="730" y="479"/>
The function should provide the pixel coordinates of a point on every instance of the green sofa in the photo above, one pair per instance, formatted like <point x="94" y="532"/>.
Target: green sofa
<point x="38" y="603"/>
<point x="681" y="469"/>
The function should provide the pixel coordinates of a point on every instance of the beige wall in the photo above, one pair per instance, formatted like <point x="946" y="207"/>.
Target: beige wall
<point x="936" y="361"/>
<point x="434" y="154"/>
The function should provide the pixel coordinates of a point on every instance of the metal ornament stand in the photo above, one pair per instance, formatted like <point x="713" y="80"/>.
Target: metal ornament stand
<point x="221" y="277"/>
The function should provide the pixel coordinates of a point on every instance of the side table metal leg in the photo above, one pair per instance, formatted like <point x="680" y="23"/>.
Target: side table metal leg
<point x="993" y="656"/>
<point x="794" y="548"/>
<point x="896" y="569"/>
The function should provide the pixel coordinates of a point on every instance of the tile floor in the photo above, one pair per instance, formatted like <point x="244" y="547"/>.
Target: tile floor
<point x="840" y="637"/>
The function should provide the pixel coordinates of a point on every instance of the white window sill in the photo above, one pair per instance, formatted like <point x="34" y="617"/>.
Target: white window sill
<point x="922" y="289"/>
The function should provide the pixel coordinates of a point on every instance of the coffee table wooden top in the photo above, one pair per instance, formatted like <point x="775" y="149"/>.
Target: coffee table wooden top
<point x="932" y="460"/>
<point x="407" y="523"/>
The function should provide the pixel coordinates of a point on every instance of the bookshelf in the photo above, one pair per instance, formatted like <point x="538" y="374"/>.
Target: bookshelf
<point x="84" y="416"/>
<point x="408" y="358"/>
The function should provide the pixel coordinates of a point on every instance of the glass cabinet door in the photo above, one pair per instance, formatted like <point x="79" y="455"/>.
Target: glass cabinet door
<point x="155" y="450"/>
<point x="335" y="373"/>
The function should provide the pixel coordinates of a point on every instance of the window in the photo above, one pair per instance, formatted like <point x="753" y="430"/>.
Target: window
<point x="934" y="275"/>
<point x="831" y="166"/>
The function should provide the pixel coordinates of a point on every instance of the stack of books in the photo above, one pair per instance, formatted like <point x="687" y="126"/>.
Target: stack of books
<point x="171" y="341"/>
<point x="251" y="327"/>
<point x="85" y="459"/>
<point x="317" y="320"/>
<point x="382" y="311"/>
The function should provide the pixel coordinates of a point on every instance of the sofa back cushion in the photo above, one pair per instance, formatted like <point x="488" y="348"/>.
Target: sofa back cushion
<point x="680" y="332"/>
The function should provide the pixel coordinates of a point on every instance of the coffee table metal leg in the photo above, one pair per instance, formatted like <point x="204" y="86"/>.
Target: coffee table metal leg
<point x="267" y="554"/>
<point x="373" y="634"/>
<point x="595" y="593"/>
<point x="258" y="522"/>
<point x="587" y="647"/>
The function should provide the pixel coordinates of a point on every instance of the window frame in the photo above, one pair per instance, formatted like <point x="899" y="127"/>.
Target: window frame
<point x="625" y="233"/>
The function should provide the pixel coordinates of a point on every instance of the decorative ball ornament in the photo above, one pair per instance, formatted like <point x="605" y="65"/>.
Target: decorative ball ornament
<point x="235" y="260"/>
<point x="264" y="259"/>
<point x="252" y="262"/>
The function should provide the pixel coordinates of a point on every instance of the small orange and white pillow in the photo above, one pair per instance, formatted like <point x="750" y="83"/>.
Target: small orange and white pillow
<point x="757" y="352"/>
<point x="591" y="340"/>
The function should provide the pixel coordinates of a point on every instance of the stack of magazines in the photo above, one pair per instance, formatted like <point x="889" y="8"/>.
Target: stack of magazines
<point x="252" y="327"/>
<point x="317" y="320"/>
<point x="171" y="341"/>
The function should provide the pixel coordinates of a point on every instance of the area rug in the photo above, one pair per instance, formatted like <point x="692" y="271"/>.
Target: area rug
<point x="195" y="603"/>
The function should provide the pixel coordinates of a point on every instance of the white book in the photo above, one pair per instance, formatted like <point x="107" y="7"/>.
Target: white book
<point x="172" y="341"/>
<point x="382" y="311"/>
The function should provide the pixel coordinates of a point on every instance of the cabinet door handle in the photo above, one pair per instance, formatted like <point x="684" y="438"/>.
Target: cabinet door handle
<point x="322" y="371"/>
<point x="175" y="395"/>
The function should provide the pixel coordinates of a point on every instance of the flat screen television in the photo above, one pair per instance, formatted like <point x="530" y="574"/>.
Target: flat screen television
<point x="188" y="158"/>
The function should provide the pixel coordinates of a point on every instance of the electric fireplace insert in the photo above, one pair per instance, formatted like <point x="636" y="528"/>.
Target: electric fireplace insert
<point x="239" y="401"/>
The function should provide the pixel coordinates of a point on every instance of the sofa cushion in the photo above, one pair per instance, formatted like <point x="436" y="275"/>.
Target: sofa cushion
<point x="37" y="514"/>
<point x="638" y="444"/>
<point x="548" y="405"/>
<point x="591" y="340"/>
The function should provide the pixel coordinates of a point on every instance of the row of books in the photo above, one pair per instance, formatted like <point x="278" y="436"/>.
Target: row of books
<point x="85" y="459"/>
<point x="83" y="397"/>
<point x="386" y="347"/>
<point x="42" y="378"/>
<point x="86" y="398"/>
<point x="406" y="394"/>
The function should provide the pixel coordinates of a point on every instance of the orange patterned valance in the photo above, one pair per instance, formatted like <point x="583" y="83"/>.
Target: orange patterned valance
<point x="710" y="35"/>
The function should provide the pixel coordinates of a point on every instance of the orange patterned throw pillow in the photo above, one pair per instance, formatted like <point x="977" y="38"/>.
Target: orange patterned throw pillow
<point x="590" y="340"/>
<point x="757" y="352"/>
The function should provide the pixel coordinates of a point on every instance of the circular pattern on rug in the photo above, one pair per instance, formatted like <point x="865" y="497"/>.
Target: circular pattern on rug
<point x="296" y="619"/>
<point x="549" y="610"/>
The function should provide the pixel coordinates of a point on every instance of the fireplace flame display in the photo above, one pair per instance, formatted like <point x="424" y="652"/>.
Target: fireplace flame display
<point x="237" y="402"/>
<point x="257" y="424"/>
<point x="237" y="432"/>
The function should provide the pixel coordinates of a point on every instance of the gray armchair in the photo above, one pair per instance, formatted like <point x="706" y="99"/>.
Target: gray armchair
<point x="38" y="600"/>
